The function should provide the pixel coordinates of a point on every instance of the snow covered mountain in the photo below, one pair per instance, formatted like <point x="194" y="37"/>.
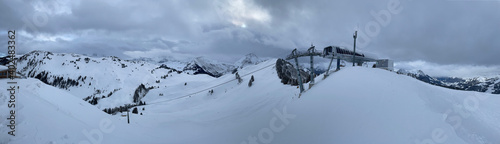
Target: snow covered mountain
<point x="479" y="84"/>
<point x="201" y="65"/>
<point x="110" y="82"/>
<point x="355" y="105"/>
<point x="104" y="82"/>
<point x="248" y="59"/>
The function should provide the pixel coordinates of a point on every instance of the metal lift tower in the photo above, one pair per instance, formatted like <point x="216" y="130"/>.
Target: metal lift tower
<point x="295" y="55"/>
<point x="335" y="52"/>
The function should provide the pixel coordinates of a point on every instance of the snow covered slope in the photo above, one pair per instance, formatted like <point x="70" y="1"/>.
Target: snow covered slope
<point x="354" y="105"/>
<point x="110" y="82"/>
<point x="364" y="105"/>
<point x="107" y="82"/>
<point x="45" y="114"/>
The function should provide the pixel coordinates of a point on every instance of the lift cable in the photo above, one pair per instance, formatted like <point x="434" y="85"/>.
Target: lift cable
<point x="187" y="95"/>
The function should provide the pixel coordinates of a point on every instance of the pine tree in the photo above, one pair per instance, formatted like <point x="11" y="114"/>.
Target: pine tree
<point x="251" y="81"/>
<point x="135" y="111"/>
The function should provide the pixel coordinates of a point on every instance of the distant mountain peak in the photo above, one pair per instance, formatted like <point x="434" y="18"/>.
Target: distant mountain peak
<point x="202" y="65"/>
<point x="420" y="72"/>
<point x="38" y="51"/>
<point x="479" y="84"/>
<point x="248" y="59"/>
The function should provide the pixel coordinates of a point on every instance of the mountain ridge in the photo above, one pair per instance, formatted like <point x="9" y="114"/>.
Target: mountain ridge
<point x="479" y="84"/>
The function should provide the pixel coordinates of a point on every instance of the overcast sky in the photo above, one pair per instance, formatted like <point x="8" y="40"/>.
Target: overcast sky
<point x="442" y="32"/>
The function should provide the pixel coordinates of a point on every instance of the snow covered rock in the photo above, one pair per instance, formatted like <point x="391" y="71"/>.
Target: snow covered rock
<point x="140" y="92"/>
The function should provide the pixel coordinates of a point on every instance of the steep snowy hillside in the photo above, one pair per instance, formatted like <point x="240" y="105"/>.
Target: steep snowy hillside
<point x="354" y="105"/>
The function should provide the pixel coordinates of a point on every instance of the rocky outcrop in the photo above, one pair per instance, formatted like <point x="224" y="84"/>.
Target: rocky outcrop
<point x="140" y="92"/>
<point x="288" y="73"/>
<point x="496" y="89"/>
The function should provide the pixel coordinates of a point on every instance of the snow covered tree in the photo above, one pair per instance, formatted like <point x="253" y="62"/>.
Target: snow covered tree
<point x="251" y="81"/>
<point x="238" y="77"/>
<point x="94" y="101"/>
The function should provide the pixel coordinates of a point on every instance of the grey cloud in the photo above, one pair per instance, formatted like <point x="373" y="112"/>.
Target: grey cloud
<point x="438" y="31"/>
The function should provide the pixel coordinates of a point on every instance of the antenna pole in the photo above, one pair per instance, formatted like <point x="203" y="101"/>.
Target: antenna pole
<point x="354" y="54"/>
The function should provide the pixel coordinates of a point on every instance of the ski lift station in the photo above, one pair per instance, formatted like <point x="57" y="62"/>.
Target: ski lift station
<point x="335" y="52"/>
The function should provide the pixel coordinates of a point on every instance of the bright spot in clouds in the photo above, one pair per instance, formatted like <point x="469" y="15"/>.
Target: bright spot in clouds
<point x="240" y="12"/>
<point x="55" y="7"/>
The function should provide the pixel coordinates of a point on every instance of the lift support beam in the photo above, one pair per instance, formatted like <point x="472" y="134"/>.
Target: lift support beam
<point x="311" y="51"/>
<point x="295" y="55"/>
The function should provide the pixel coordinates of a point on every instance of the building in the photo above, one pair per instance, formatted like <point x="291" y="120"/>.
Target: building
<point x="4" y="72"/>
<point x="385" y="64"/>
